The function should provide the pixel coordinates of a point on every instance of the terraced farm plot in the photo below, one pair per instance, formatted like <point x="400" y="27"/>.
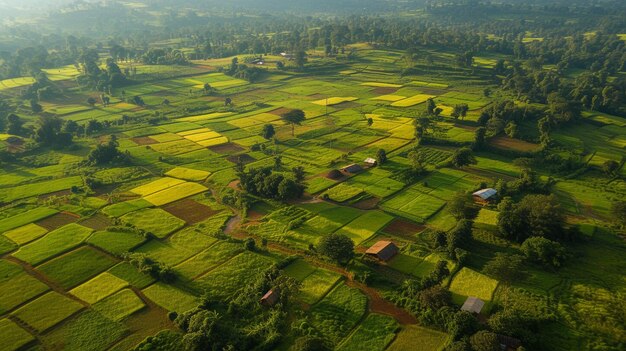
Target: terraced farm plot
<point x="413" y="100"/>
<point x="119" y="305"/>
<point x="47" y="311"/>
<point x="77" y="266"/>
<point x="155" y="221"/>
<point x="468" y="283"/>
<point x="12" y="336"/>
<point x="170" y="298"/>
<point x="338" y="312"/>
<point x="99" y="287"/>
<point x="53" y="243"/>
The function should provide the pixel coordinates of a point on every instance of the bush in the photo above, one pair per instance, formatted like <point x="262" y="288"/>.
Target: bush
<point x="544" y="251"/>
<point x="337" y="247"/>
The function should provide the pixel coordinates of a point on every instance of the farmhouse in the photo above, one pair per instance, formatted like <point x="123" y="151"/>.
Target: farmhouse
<point x="484" y="195"/>
<point x="371" y="162"/>
<point x="383" y="250"/>
<point x="473" y="305"/>
<point x="270" y="298"/>
<point x="353" y="168"/>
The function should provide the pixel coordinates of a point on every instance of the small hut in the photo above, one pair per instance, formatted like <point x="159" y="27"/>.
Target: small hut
<point x="383" y="250"/>
<point x="353" y="168"/>
<point x="370" y="162"/>
<point x="334" y="174"/>
<point x="270" y="298"/>
<point x="484" y="195"/>
<point x="473" y="305"/>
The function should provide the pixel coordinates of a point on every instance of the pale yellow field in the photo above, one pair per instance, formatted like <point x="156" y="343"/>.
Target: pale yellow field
<point x="334" y="101"/>
<point x="392" y="98"/>
<point x="188" y="174"/>
<point x="155" y="186"/>
<point x="204" y="117"/>
<point x="381" y="85"/>
<point x="413" y="100"/>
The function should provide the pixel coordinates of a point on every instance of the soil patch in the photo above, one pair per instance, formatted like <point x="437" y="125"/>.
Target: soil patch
<point x="97" y="222"/>
<point x="504" y="142"/>
<point x="190" y="211"/>
<point x="56" y="193"/>
<point x="367" y="204"/>
<point x="254" y="215"/>
<point x="402" y="227"/>
<point x="244" y="158"/>
<point x="228" y="148"/>
<point x="431" y="91"/>
<point x="385" y="91"/>
<point x="144" y="141"/>
<point x="317" y="96"/>
<point x="234" y="184"/>
<point x="280" y="111"/>
<point x="347" y="104"/>
<point x="58" y="220"/>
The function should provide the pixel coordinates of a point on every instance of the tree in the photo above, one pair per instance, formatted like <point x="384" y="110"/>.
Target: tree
<point x="370" y="121"/>
<point x="479" y="138"/>
<point x="49" y="132"/>
<point x="485" y="341"/>
<point x="228" y="101"/>
<point x="462" y="323"/>
<point x="618" y="209"/>
<point x="298" y="173"/>
<point x="610" y="167"/>
<point x="506" y="267"/>
<point x="300" y="59"/>
<point x="463" y="157"/>
<point x="106" y="153"/>
<point x="337" y="247"/>
<point x="534" y="215"/>
<point x="268" y="132"/>
<point x="15" y="125"/>
<point x="208" y="89"/>
<point x="459" y="205"/>
<point x="435" y="297"/>
<point x="35" y="107"/>
<point x="249" y="244"/>
<point x="544" y="251"/>
<point x="460" y="110"/>
<point x="430" y="106"/>
<point x="381" y="156"/>
<point x="294" y="117"/>
<point x="278" y="163"/>
<point x="91" y="101"/>
<point x="459" y="236"/>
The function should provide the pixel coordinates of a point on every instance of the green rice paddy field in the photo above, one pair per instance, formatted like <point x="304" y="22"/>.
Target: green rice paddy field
<point x="66" y="282"/>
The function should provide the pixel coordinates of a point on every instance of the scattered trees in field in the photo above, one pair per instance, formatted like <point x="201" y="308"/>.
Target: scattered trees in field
<point x="506" y="267"/>
<point x="337" y="247"/>
<point x="49" y="132"/>
<point x="534" y="215"/>
<point x="463" y="157"/>
<point x="294" y="117"/>
<point x="544" y="251"/>
<point x="268" y="131"/>
<point x="107" y="153"/>
<point x="263" y="182"/>
<point x="15" y="125"/>
<point x="149" y="266"/>
<point x="460" y="110"/>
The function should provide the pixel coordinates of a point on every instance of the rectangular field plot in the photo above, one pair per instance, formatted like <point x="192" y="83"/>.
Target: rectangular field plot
<point x="170" y="298"/>
<point x="338" y="312"/>
<point x="365" y="226"/>
<point x="374" y="334"/>
<point x="329" y="220"/>
<point x="156" y="186"/>
<point x="53" y="243"/>
<point x="89" y="331"/>
<point x="376" y="183"/>
<point x="12" y="336"/>
<point x="175" y="193"/>
<point x="342" y="192"/>
<point x="334" y="100"/>
<point x="155" y="221"/>
<point x="412" y="101"/>
<point x="230" y="277"/>
<point x="41" y="188"/>
<point x="116" y="243"/>
<point x="413" y="204"/>
<point x="468" y="283"/>
<point x="25" y="218"/>
<point x="119" y="305"/>
<point x="427" y="339"/>
<point x="99" y="287"/>
<point x="26" y="233"/>
<point x="47" y="311"/>
<point x="129" y="273"/>
<point x="205" y="117"/>
<point x="207" y="259"/>
<point x="315" y="281"/>
<point x="75" y="267"/>
<point x="122" y="208"/>
<point x="17" y="286"/>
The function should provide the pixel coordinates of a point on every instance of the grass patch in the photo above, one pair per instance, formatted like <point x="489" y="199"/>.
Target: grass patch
<point x="122" y="208"/>
<point x="26" y="233"/>
<point x="337" y="313"/>
<point x="427" y="339"/>
<point x="342" y="192"/>
<point x="170" y="298"/>
<point x="119" y="305"/>
<point x="99" y="287"/>
<point x="47" y="311"/>
<point x="127" y="272"/>
<point x="90" y="331"/>
<point x="374" y="334"/>
<point x="365" y="226"/>
<point x="468" y="283"/>
<point x="116" y="243"/>
<point x="155" y="221"/>
<point x="25" y="218"/>
<point x="53" y="243"/>
<point x="36" y="189"/>
<point x="75" y="267"/>
<point x="12" y="337"/>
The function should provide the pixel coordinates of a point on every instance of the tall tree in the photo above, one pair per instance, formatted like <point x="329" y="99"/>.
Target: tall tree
<point x="294" y="117"/>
